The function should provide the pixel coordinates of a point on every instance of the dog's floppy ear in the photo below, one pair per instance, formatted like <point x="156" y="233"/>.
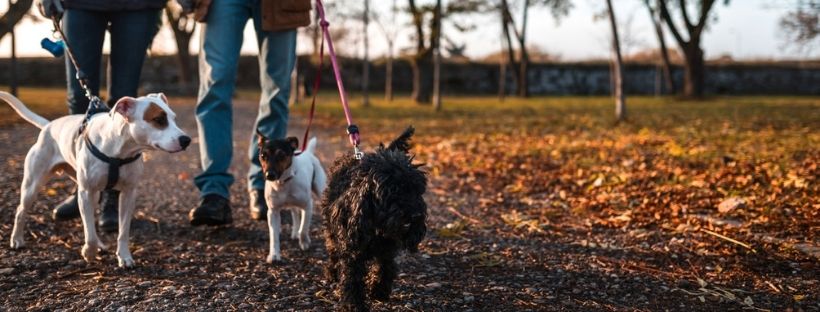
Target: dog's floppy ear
<point x="125" y="107"/>
<point x="294" y="142"/>
<point x="261" y="139"/>
<point x="162" y="96"/>
<point x="402" y="142"/>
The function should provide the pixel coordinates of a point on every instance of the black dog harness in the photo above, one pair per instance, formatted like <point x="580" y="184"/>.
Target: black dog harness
<point x="114" y="164"/>
<point x="96" y="107"/>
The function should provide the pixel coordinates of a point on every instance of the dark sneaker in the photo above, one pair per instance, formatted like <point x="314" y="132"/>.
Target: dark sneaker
<point x="110" y="216"/>
<point x="68" y="209"/>
<point x="212" y="210"/>
<point x="259" y="207"/>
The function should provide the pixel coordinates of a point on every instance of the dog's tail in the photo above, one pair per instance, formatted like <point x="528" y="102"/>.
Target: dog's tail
<point x="311" y="146"/>
<point x="319" y="178"/>
<point x="402" y="142"/>
<point x="23" y="111"/>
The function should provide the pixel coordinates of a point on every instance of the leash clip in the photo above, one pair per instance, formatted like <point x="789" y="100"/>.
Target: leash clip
<point x="357" y="153"/>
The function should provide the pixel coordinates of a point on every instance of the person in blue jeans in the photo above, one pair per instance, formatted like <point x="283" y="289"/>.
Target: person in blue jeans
<point x="275" y="22"/>
<point x="132" y="25"/>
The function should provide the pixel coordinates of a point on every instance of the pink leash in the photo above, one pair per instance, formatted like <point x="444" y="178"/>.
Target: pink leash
<point x="352" y="129"/>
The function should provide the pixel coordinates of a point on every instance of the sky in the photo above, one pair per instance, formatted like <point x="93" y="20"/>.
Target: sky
<point x="744" y="30"/>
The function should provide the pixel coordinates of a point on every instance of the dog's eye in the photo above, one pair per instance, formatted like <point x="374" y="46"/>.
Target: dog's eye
<point x="161" y="120"/>
<point x="263" y="156"/>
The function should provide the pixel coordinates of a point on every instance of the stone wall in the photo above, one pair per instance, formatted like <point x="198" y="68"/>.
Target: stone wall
<point x="786" y="78"/>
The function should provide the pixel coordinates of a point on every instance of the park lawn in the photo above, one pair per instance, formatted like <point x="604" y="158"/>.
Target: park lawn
<point x="546" y="160"/>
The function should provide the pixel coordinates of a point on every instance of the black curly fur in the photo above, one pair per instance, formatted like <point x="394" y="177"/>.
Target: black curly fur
<point x="373" y="209"/>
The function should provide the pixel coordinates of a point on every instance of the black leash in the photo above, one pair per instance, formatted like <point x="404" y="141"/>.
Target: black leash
<point x="95" y="106"/>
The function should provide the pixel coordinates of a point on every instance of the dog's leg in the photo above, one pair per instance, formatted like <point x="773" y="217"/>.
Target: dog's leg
<point x="89" y="200"/>
<point x="352" y="284"/>
<point x="127" y="206"/>
<point x="35" y="171"/>
<point x="296" y="217"/>
<point x="381" y="278"/>
<point x="304" y="226"/>
<point x="274" y="225"/>
<point x="332" y="265"/>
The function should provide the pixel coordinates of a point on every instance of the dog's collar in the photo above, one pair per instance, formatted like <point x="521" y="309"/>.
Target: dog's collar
<point x="114" y="164"/>
<point x="290" y="177"/>
<point x="286" y="180"/>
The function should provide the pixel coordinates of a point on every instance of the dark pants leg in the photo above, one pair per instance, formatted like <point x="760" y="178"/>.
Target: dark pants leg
<point x="85" y="32"/>
<point x="131" y="35"/>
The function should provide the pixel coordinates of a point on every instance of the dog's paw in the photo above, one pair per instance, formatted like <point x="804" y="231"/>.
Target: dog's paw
<point x="273" y="258"/>
<point x="17" y="243"/>
<point x="304" y="243"/>
<point x="89" y="253"/>
<point x="126" y="262"/>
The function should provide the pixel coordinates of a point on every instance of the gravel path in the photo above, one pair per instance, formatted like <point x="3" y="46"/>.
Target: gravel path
<point x="469" y="267"/>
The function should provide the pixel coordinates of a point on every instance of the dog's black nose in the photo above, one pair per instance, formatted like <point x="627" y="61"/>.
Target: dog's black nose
<point x="270" y="176"/>
<point x="184" y="141"/>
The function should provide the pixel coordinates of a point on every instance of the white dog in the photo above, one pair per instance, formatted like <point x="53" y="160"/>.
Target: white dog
<point x="91" y="157"/>
<point x="290" y="180"/>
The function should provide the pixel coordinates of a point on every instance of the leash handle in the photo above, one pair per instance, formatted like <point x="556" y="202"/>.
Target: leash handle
<point x="353" y="131"/>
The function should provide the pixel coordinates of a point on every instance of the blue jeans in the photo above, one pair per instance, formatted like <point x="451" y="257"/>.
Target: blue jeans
<point x="131" y="35"/>
<point x="221" y="40"/>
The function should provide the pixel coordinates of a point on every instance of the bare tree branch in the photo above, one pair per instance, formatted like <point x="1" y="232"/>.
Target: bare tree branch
<point x="15" y="13"/>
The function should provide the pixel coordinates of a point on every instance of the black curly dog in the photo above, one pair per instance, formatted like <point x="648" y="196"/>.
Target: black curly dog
<point x="373" y="209"/>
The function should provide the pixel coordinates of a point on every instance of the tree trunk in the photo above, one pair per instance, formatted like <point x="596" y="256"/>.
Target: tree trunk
<point x="420" y="64"/>
<point x="184" y="60"/>
<point x="13" y="15"/>
<point x="388" y="74"/>
<point x="502" y="79"/>
<point x="294" y="84"/>
<point x="366" y="63"/>
<point x="523" y="82"/>
<point x="436" y="45"/>
<point x="182" y="38"/>
<point x="620" y="100"/>
<point x="694" y="70"/>
<point x="422" y="78"/>
<point x="506" y="23"/>
<point x="657" y="22"/>
<point x="13" y="61"/>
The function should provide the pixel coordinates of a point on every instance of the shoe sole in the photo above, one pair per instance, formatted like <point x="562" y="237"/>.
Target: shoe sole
<point x="58" y="217"/>
<point x="197" y="221"/>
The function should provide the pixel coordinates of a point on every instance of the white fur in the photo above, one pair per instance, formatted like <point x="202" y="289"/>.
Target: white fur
<point x="307" y="175"/>
<point x="123" y="133"/>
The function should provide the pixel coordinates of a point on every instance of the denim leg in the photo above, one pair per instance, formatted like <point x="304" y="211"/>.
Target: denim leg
<point x="221" y="40"/>
<point x="277" y="56"/>
<point x="131" y="35"/>
<point x="86" y="33"/>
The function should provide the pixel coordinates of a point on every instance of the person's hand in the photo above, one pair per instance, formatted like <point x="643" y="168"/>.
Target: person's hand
<point x="201" y="10"/>
<point x="187" y="6"/>
<point x="50" y="8"/>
